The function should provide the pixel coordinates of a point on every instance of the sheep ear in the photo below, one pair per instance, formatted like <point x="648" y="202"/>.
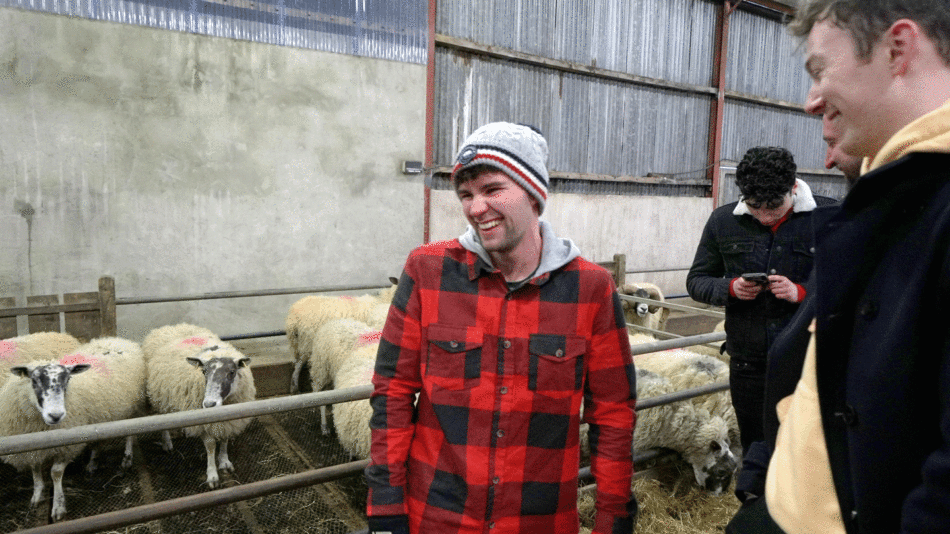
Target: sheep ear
<point x="78" y="368"/>
<point x="196" y="362"/>
<point x="627" y="289"/>
<point x="244" y="362"/>
<point x="21" y="371"/>
<point x="393" y="280"/>
<point x="654" y="295"/>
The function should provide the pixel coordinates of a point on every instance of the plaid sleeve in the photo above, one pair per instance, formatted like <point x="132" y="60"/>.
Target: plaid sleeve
<point x="609" y="401"/>
<point x="396" y="380"/>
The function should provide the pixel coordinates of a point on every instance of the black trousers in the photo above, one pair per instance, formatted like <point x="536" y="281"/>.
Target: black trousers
<point x="747" y="387"/>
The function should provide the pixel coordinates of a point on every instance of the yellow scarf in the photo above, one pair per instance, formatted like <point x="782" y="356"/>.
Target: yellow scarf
<point x="929" y="133"/>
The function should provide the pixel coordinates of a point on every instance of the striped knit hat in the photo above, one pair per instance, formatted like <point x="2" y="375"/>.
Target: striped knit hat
<point x="518" y="150"/>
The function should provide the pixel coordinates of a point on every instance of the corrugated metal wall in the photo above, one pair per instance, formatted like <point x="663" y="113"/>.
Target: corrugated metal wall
<point x="601" y="126"/>
<point x="385" y="29"/>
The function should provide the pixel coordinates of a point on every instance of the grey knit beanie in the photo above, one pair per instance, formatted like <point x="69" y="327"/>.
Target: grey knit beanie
<point x="518" y="150"/>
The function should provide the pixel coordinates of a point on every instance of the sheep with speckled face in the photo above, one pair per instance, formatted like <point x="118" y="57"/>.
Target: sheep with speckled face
<point x="101" y="381"/>
<point x="190" y="368"/>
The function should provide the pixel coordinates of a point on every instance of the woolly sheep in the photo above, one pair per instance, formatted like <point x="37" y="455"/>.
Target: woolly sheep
<point x="333" y="344"/>
<point x="714" y="349"/>
<point x="701" y="439"/>
<point x="308" y="314"/>
<point x="33" y="347"/>
<point x="351" y="419"/>
<point x="188" y="368"/>
<point x="103" y="380"/>
<point x="687" y="370"/>
<point x="648" y="316"/>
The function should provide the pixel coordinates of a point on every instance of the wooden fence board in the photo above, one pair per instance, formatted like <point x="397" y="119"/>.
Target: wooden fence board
<point x="45" y="322"/>
<point x="84" y="325"/>
<point x="8" y="327"/>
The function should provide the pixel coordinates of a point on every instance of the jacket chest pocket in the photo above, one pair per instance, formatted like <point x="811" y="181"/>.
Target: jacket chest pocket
<point x="451" y="361"/>
<point x="556" y="364"/>
<point x="737" y="256"/>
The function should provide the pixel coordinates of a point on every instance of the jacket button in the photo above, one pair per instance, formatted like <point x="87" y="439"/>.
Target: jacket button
<point x="849" y="415"/>
<point x="812" y="250"/>
<point x="559" y="353"/>
<point x="506" y="344"/>
<point x="772" y="271"/>
<point x="454" y="344"/>
<point x="868" y="310"/>
<point x="778" y="248"/>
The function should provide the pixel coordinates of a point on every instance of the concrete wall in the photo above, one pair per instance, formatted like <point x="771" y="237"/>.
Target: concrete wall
<point x="654" y="232"/>
<point x="182" y="164"/>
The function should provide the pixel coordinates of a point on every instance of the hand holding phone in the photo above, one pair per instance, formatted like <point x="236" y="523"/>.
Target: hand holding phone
<point x="756" y="278"/>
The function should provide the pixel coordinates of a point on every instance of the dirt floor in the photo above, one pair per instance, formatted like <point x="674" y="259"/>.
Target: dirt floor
<point x="270" y="447"/>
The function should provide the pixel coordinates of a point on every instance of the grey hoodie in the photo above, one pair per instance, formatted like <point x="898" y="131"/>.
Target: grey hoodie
<point x="555" y="253"/>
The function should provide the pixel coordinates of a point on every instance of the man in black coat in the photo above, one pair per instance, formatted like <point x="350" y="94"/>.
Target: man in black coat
<point x="768" y="231"/>
<point x="864" y="440"/>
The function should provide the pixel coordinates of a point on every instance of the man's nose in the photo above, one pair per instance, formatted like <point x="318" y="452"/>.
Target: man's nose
<point x="814" y="103"/>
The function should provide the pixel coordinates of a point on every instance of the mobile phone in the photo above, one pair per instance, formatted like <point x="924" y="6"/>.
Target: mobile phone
<point x="759" y="278"/>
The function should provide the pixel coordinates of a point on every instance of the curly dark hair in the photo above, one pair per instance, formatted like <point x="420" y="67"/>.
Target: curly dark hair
<point x="765" y="173"/>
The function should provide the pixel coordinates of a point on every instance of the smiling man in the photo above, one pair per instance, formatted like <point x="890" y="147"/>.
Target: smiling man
<point x="864" y="440"/>
<point x="503" y="333"/>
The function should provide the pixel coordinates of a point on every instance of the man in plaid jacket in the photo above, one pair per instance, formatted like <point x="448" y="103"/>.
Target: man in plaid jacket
<point x="502" y="333"/>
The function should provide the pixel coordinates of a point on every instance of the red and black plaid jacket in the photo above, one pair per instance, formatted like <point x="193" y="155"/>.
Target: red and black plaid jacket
<point x="492" y="445"/>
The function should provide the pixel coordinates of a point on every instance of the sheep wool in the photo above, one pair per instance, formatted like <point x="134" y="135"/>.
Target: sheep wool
<point x="655" y="317"/>
<point x="33" y="347"/>
<point x="351" y="419"/>
<point x="174" y="385"/>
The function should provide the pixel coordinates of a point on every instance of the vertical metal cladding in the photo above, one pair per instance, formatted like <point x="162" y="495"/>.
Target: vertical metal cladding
<point x="395" y="30"/>
<point x="748" y="125"/>
<point x="593" y="125"/>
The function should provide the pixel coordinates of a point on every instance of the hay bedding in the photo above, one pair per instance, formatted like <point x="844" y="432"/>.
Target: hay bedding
<point x="672" y="503"/>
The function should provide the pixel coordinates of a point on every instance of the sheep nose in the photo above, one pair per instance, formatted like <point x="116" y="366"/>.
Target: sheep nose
<point x="54" y="417"/>
<point x="210" y="403"/>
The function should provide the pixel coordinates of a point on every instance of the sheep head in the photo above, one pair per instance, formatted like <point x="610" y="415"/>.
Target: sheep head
<point x="710" y="454"/>
<point x="49" y="383"/>
<point x="220" y="372"/>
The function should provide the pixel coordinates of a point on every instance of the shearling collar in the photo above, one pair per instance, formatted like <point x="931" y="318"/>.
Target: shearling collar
<point x="802" y="200"/>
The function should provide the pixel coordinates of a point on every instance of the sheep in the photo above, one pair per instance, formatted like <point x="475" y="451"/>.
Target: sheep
<point x="351" y="419"/>
<point x="333" y="344"/>
<point x="716" y="349"/>
<point x="701" y="439"/>
<point x="190" y="368"/>
<point x="308" y="314"/>
<point x="648" y="316"/>
<point x="687" y="370"/>
<point x="104" y="380"/>
<point x="33" y="347"/>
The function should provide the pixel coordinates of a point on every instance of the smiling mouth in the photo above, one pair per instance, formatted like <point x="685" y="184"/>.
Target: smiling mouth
<point x="488" y="225"/>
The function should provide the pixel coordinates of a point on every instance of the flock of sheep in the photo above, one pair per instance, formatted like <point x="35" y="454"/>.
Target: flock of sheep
<point x="50" y="380"/>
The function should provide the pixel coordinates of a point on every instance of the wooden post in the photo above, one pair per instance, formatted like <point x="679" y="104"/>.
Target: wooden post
<point x="107" y="322"/>
<point x="8" y="327"/>
<point x="45" y="322"/>
<point x="620" y="269"/>
<point x="83" y="325"/>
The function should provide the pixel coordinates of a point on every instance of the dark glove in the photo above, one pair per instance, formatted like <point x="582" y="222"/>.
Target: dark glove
<point x="388" y="524"/>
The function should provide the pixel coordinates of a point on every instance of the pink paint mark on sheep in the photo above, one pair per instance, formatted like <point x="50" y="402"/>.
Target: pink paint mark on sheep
<point x="79" y="358"/>
<point x="346" y="297"/>
<point x="194" y="341"/>
<point x="369" y="338"/>
<point x="7" y="350"/>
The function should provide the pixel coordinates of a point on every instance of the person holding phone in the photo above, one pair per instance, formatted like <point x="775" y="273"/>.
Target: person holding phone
<point x="753" y="258"/>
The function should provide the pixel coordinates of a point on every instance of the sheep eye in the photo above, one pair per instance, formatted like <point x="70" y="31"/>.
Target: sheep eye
<point x="715" y="447"/>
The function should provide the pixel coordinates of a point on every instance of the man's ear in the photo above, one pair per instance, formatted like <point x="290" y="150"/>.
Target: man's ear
<point x="902" y="40"/>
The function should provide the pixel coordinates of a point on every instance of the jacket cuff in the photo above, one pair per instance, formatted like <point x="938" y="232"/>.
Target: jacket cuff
<point x="388" y="524"/>
<point x="732" y="292"/>
<point x="801" y="292"/>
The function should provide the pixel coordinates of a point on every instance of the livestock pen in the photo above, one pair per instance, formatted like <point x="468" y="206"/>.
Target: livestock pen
<point x="288" y="476"/>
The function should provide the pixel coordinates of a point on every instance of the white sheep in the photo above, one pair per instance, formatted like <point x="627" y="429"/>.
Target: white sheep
<point x="648" y="316"/>
<point x="103" y="380"/>
<point x="33" y="347"/>
<point x="308" y="314"/>
<point x="686" y="369"/>
<point x="715" y="348"/>
<point x="351" y="419"/>
<point x="700" y="438"/>
<point x="189" y="368"/>
<point x="333" y="344"/>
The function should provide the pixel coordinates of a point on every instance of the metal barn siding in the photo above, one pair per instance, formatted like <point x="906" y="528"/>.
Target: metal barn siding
<point x="593" y="126"/>
<point x="765" y="60"/>
<point x="748" y="125"/>
<point x="396" y="30"/>
<point x="665" y="39"/>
